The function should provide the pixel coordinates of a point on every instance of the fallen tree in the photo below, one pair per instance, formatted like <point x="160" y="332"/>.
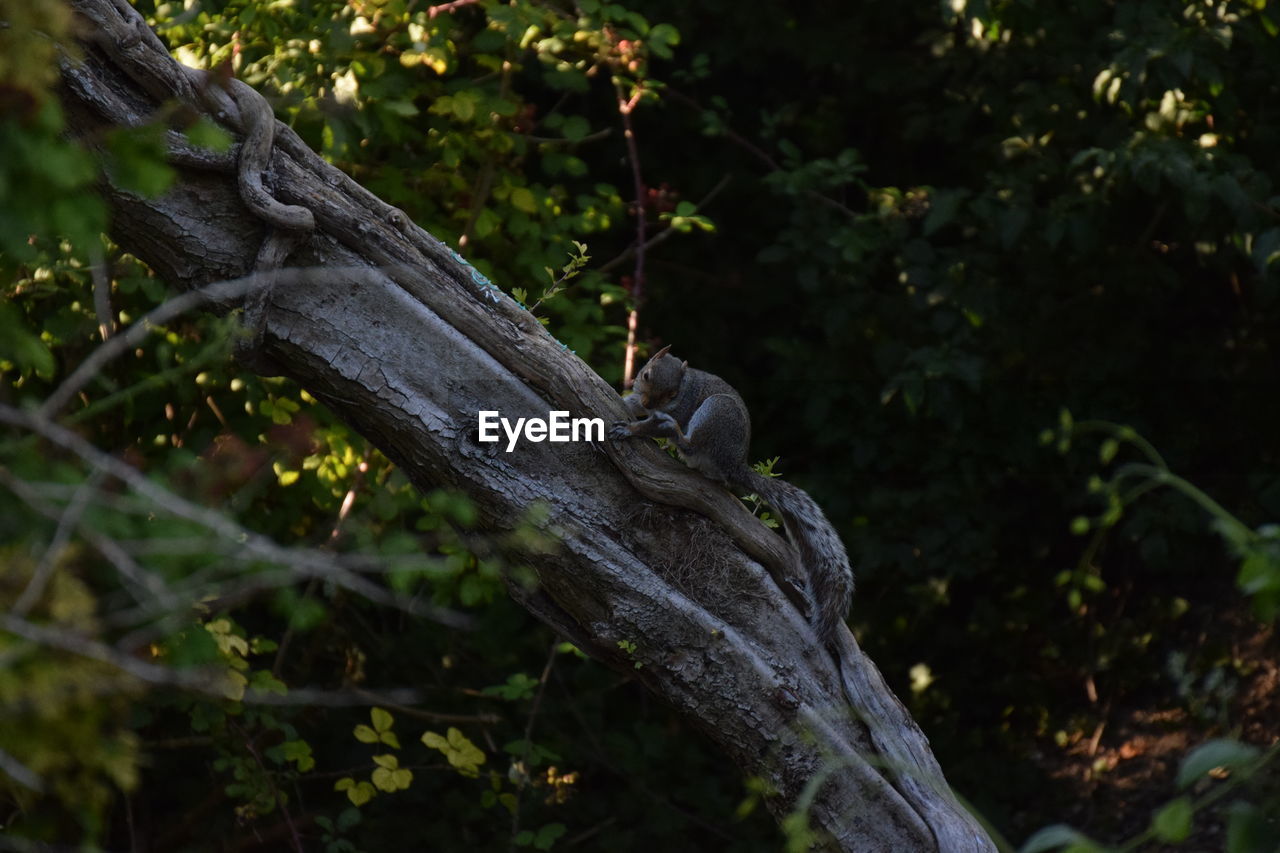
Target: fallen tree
<point x="656" y="571"/>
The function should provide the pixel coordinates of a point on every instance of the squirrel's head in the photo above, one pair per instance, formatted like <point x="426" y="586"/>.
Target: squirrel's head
<point x="659" y="380"/>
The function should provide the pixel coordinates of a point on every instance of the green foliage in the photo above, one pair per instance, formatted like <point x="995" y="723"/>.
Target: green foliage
<point x="66" y="736"/>
<point x="800" y="836"/>
<point x="578" y="259"/>
<point x="380" y="731"/>
<point x="389" y="775"/>
<point x="940" y="227"/>
<point x="1221" y="753"/>
<point x="1258" y="550"/>
<point x="447" y="117"/>
<point x="1174" y="822"/>
<point x="1059" y="837"/>
<point x="543" y="839"/>
<point x="764" y="469"/>
<point x="36" y="162"/>
<point x="463" y="755"/>
<point x="519" y="686"/>
<point x="629" y="648"/>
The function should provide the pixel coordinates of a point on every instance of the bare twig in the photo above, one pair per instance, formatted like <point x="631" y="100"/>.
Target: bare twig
<point x="102" y="293"/>
<point x="306" y="563"/>
<point x="528" y="734"/>
<point x="203" y="681"/>
<point x="625" y="106"/>
<point x="382" y="701"/>
<point x="19" y="772"/>
<point x="116" y="345"/>
<point x="348" y="501"/>
<point x="68" y="520"/>
<point x="281" y="800"/>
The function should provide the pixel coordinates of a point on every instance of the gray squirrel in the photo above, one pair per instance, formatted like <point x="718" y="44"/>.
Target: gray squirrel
<point x="709" y="424"/>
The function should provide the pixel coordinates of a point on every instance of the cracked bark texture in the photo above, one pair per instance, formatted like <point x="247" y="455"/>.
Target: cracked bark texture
<point x="402" y="339"/>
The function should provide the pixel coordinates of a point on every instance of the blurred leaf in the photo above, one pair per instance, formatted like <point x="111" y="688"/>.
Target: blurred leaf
<point x="1224" y="753"/>
<point x="1173" y="822"/>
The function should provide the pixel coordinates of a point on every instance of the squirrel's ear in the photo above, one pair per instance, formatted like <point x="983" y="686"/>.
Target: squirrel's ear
<point x="684" y="365"/>
<point x="660" y="353"/>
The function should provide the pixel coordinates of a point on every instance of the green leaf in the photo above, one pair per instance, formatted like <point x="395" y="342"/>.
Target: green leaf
<point x="944" y="205"/>
<point x="264" y="682"/>
<point x="546" y="837"/>
<point x="1108" y="451"/>
<point x="26" y="350"/>
<point x="1173" y="822"/>
<point x="518" y="686"/>
<point x="463" y="755"/>
<point x="299" y="752"/>
<point x="207" y="134"/>
<point x="1056" y="837"/>
<point x="390" y="776"/>
<point x="358" y="793"/>
<point x="1248" y="830"/>
<point x="486" y="223"/>
<point x="382" y="719"/>
<point x="464" y="105"/>
<point x="662" y="38"/>
<point x="523" y="199"/>
<point x="1222" y="752"/>
<point x="137" y="161"/>
<point x="1259" y="572"/>
<point x="364" y="734"/>
<point x="402" y="108"/>
<point x="575" y="128"/>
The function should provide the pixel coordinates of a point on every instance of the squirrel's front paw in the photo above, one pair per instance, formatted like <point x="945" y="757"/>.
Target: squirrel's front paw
<point x="662" y="421"/>
<point x="619" y="431"/>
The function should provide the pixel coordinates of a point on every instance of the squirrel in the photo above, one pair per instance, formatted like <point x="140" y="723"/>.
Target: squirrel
<point x="709" y="424"/>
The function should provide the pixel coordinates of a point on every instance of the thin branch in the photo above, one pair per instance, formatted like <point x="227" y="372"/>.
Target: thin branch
<point x="560" y="140"/>
<point x="102" y="293"/>
<point x="625" y="107"/>
<point x="68" y="520"/>
<point x="666" y="233"/>
<point x="145" y="586"/>
<point x="382" y="701"/>
<point x="281" y="801"/>
<point x="253" y="546"/>
<point x="20" y="773"/>
<point x="119" y="344"/>
<point x="348" y="501"/>
<point x="81" y="645"/>
<point x="528" y="734"/>
<point x="204" y="681"/>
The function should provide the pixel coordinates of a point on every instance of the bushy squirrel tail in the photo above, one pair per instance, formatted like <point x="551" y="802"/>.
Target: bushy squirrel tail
<point x="825" y="561"/>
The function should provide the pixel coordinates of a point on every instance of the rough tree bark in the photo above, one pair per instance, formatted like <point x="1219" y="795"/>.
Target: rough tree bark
<point x="401" y="338"/>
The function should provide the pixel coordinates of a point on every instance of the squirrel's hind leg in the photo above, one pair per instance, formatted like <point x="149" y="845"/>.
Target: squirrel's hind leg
<point x="715" y="441"/>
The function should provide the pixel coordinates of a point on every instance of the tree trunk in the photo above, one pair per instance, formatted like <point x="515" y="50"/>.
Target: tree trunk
<point x="406" y="342"/>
